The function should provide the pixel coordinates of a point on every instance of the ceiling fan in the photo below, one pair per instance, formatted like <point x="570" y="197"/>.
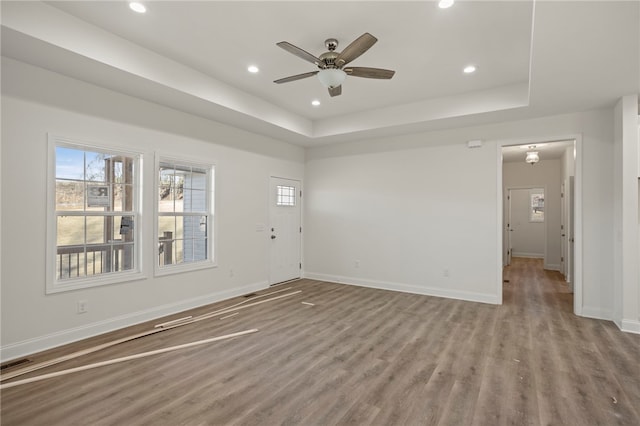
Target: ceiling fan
<point x="332" y="71"/>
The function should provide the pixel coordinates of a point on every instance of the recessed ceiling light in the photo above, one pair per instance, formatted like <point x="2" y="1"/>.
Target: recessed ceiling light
<point x="445" y="4"/>
<point x="469" y="69"/>
<point x="315" y="102"/>
<point x="253" y="69"/>
<point x="137" y="7"/>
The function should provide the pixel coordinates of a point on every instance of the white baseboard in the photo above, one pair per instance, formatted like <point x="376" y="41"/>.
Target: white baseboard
<point x="596" y="313"/>
<point x="529" y="255"/>
<point x="629" y="326"/>
<point x="37" y="344"/>
<point x="551" y="267"/>
<point x="407" y="288"/>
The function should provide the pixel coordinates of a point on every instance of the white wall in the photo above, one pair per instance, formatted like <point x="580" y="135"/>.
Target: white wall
<point x="420" y="221"/>
<point x="35" y="102"/>
<point x="410" y="207"/>
<point x="544" y="174"/>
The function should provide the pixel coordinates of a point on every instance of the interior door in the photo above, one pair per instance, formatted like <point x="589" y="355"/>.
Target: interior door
<point x="285" y="231"/>
<point x="527" y="229"/>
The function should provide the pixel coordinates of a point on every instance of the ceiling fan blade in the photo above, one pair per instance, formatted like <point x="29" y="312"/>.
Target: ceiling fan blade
<point x="296" y="77"/>
<point x="355" y="49"/>
<point x="369" y="72"/>
<point x="298" y="52"/>
<point x="335" y="91"/>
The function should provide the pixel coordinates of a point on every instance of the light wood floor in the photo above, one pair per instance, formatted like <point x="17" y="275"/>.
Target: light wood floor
<point x="359" y="356"/>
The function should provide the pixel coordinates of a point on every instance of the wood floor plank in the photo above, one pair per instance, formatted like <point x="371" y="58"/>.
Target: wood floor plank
<point x="358" y="356"/>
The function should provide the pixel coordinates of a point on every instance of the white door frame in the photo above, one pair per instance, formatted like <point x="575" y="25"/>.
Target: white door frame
<point x="563" y="230"/>
<point x="571" y="265"/>
<point x="577" y="295"/>
<point x="507" y="230"/>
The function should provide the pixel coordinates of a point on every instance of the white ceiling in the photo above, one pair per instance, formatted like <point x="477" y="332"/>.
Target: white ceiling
<point x="534" y="59"/>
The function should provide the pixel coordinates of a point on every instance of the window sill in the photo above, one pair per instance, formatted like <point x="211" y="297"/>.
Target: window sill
<point x="183" y="267"/>
<point x="107" y="279"/>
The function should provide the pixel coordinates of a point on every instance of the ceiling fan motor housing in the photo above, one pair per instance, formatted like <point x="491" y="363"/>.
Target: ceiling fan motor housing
<point x="328" y="60"/>
<point x="331" y="44"/>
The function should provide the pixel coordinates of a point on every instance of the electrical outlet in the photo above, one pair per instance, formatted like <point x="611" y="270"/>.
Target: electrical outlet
<point x="445" y="273"/>
<point x="231" y="272"/>
<point x="81" y="307"/>
<point x="356" y="263"/>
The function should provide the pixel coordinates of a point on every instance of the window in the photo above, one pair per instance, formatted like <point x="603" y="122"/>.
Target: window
<point x="93" y="212"/>
<point x="286" y="195"/>
<point x="184" y="206"/>
<point x="536" y="210"/>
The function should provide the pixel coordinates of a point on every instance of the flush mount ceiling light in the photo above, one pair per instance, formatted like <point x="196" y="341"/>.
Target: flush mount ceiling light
<point x="532" y="156"/>
<point x="469" y="69"/>
<point x="445" y="4"/>
<point x="315" y="102"/>
<point x="253" y="69"/>
<point x="137" y="7"/>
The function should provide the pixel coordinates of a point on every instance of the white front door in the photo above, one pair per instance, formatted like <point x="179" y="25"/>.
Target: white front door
<point x="528" y="235"/>
<point x="284" y="230"/>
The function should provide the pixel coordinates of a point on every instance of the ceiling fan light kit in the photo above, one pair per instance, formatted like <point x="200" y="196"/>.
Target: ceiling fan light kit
<point x="331" y="63"/>
<point x="331" y="77"/>
<point x="137" y="7"/>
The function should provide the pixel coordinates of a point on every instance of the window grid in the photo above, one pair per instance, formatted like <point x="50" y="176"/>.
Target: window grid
<point x="285" y="195"/>
<point x="184" y="214"/>
<point x="93" y="207"/>
<point x="536" y="209"/>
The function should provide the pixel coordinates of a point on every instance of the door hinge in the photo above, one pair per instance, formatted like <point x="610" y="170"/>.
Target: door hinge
<point x="561" y="227"/>
<point x="561" y="259"/>
<point x="301" y="229"/>
<point x="300" y="265"/>
<point x="301" y="193"/>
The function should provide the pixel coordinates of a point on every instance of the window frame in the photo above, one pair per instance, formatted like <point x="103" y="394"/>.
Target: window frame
<point x="211" y="261"/>
<point x="532" y="210"/>
<point x="286" y="200"/>
<point x="53" y="283"/>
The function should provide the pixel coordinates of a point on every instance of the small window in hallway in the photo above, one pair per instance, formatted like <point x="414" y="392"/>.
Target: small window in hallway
<point x="536" y="213"/>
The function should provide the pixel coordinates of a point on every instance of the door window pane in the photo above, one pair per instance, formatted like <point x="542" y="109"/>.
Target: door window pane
<point x="285" y="195"/>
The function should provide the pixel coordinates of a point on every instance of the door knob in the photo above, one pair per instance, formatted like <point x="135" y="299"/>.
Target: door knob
<point x="273" y="237"/>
